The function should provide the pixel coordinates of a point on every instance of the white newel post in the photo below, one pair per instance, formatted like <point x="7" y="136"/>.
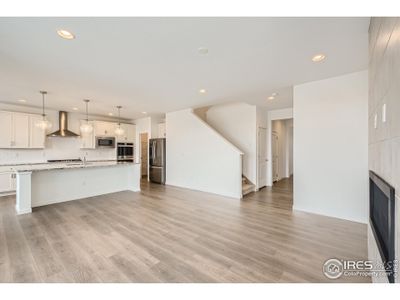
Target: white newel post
<point x="24" y="193"/>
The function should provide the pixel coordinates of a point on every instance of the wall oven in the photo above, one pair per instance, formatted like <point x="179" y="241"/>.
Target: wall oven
<point x="105" y="142"/>
<point x="125" y="152"/>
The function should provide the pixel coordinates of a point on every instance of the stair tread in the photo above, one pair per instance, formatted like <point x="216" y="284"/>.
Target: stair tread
<point x="247" y="185"/>
<point x="247" y="188"/>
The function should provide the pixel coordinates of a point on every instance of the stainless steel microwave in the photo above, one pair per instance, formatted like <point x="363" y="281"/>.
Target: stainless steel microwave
<point x="105" y="142"/>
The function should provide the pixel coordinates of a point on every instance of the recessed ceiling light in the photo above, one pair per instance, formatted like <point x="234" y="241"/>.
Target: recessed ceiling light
<point x="65" y="34"/>
<point x="274" y="94"/>
<point x="110" y="114"/>
<point x="271" y="98"/>
<point x="75" y="108"/>
<point x="22" y="100"/>
<point x="202" y="51"/>
<point x="318" y="57"/>
<point x="202" y="91"/>
<point x="143" y="112"/>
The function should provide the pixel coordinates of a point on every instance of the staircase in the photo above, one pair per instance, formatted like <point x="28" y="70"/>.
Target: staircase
<point x="247" y="186"/>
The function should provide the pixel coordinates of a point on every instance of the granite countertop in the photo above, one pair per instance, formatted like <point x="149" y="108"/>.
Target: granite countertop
<point x="59" y="165"/>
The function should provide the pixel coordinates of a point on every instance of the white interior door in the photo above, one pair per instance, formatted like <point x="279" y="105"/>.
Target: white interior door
<point x="262" y="157"/>
<point x="275" y="157"/>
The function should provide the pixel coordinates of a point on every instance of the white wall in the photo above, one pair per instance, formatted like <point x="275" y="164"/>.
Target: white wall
<point x="199" y="158"/>
<point x="331" y="147"/>
<point x="56" y="147"/>
<point x="237" y="123"/>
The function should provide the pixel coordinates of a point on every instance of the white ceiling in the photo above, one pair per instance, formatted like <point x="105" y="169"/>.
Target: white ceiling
<point x="152" y="64"/>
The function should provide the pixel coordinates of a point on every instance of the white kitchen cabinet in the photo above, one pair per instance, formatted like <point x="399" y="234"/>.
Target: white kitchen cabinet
<point x="17" y="131"/>
<point x="102" y="128"/>
<point x="6" y="131"/>
<point x="161" y="130"/>
<point x="37" y="135"/>
<point x="13" y="182"/>
<point x="129" y="133"/>
<point x="21" y="131"/>
<point x="7" y="182"/>
<point x="88" y="139"/>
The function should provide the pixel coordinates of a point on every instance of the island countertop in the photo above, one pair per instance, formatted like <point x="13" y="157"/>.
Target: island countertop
<point x="45" y="166"/>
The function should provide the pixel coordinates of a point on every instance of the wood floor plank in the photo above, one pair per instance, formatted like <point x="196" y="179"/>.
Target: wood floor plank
<point x="170" y="234"/>
<point x="23" y="268"/>
<point x="49" y="266"/>
<point x="5" y="271"/>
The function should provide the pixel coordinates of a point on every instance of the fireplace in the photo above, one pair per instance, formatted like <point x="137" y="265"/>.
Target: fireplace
<point x="382" y="219"/>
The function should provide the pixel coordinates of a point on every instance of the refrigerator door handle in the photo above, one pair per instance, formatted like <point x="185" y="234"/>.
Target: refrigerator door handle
<point x="154" y="150"/>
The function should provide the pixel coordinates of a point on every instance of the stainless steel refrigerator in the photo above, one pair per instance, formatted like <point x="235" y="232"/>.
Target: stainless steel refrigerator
<point x="157" y="160"/>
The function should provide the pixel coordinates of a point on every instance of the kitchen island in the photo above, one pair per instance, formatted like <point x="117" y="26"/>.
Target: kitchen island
<point x="48" y="183"/>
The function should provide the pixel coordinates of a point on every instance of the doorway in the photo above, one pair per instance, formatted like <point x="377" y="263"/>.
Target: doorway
<point x="144" y="148"/>
<point x="281" y="149"/>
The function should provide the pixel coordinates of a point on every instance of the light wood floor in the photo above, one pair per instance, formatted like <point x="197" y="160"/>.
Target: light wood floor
<point x="168" y="234"/>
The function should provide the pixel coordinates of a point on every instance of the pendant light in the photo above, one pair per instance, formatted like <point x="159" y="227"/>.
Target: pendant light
<point x="86" y="127"/>
<point x="44" y="123"/>
<point x="119" y="131"/>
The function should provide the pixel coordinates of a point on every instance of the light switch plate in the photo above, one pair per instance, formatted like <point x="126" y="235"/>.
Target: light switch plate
<point x="376" y="121"/>
<point x="384" y="113"/>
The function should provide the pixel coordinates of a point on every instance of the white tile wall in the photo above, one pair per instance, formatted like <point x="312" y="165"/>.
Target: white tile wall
<point x="384" y="88"/>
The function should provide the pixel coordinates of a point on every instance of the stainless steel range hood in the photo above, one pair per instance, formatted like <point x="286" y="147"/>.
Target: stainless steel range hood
<point x="63" y="127"/>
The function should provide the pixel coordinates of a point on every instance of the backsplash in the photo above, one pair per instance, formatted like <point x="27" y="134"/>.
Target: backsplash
<point x="56" y="148"/>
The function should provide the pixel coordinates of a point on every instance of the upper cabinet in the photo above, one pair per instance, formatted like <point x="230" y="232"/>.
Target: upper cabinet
<point x="21" y="131"/>
<point x="102" y="128"/>
<point x="36" y="135"/>
<point x="18" y="130"/>
<point x="129" y="133"/>
<point x="6" y="131"/>
<point x="161" y="130"/>
<point x="87" y="139"/>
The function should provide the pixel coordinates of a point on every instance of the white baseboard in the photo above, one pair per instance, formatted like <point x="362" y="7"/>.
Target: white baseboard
<point x="3" y="194"/>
